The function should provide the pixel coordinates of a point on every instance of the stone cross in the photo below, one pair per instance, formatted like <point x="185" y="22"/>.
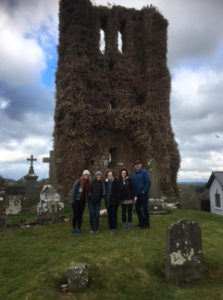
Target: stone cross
<point x="184" y="251"/>
<point x="52" y="160"/>
<point x="31" y="159"/>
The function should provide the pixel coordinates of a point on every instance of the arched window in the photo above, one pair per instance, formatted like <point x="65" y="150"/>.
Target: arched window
<point x="102" y="41"/>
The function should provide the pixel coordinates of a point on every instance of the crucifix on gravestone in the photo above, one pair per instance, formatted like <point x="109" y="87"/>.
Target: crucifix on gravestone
<point x="31" y="159"/>
<point x="52" y="160"/>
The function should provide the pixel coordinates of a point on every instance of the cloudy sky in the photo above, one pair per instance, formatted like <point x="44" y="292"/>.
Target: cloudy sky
<point x="28" y="60"/>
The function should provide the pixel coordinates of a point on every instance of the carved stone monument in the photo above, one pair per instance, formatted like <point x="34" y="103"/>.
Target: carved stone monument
<point x="31" y="178"/>
<point x="50" y="205"/>
<point x="184" y="251"/>
<point x="2" y="205"/>
<point x="52" y="160"/>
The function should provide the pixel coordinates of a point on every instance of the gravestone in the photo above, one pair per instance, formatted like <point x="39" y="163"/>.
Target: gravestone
<point x="50" y="205"/>
<point x="2" y="205"/>
<point x="154" y="191"/>
<point x="157" y="206"/>
<point x="77" y="277"/>
<point x="184" y="251"/>
<point x="14" y="205"/>
<point x="31" y="178"/>
<point x="52" y="160"/>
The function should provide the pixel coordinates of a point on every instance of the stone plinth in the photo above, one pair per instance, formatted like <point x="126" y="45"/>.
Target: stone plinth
<point x="50" y="206"/>
<point x="2" y="205"/>
<point x="77" y="277"/>
<point x="184" y="251"/>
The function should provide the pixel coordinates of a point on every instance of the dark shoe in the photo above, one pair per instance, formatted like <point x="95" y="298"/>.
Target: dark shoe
<point x="138" y="225"/>
<point x="144" y="227"/>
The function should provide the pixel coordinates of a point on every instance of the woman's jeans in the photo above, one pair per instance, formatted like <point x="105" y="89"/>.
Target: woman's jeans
<point x="127" y="207"/>
<point x="94" y="211"/>
<point x="78" y="210"/>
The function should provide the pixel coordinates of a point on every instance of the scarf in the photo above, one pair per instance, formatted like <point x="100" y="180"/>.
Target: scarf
<point x="86" y="188"/>
<point x="109" y="192"/>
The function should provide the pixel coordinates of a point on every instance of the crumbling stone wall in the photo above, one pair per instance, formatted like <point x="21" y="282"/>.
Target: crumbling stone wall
<point x="113" y="108"/>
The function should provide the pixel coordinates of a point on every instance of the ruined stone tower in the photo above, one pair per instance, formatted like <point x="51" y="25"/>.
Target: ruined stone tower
<point x="113" y="107"/>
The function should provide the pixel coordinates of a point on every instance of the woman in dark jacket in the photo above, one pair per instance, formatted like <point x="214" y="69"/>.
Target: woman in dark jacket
<point x="79" y="197"/>
<point x="127" y="197"/>
<point x="97" y="192"/>
<point x="112" y="195"/>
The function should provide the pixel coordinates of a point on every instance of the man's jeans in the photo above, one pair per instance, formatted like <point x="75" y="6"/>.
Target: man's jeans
<point x="94" y="211"/>
<point x="142" y="209"/>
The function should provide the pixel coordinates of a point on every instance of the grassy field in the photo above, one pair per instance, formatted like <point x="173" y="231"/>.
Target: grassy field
<point x="124" y="265"/>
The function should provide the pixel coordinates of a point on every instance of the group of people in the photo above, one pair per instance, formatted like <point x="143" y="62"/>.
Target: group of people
<point x="125" y="190"/>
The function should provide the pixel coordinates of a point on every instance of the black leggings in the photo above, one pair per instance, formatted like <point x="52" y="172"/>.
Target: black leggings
<point x="124" y="208"/>
<point x="78" y="210"/>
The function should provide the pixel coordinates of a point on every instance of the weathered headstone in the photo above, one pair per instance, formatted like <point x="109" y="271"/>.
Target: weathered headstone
<point x="50" y="205"/>
<point x="154" y="191"/>
<point x="14" y="206"/>
<point x="52" y="160"/>
<point x="184" y="251"/>
<point x="2" y="205"/>
<point x="77" y="277"/>
<point x="31" y="178"/>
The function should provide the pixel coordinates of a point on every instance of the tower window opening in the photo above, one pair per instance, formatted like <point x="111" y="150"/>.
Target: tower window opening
<point x="111" y="105"/>
<point x="111" y="157"/>
<point x="120" y="42"/>
<point x="102" y="41"/>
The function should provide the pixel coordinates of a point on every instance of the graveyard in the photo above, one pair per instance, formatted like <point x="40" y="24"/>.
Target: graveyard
<point x="123" y="265"/>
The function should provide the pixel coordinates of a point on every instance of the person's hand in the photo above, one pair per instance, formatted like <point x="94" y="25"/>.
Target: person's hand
<point x="135" y="199"/>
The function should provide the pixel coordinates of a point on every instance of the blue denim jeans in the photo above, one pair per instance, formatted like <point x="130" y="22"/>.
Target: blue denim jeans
<point x="94" y="211"/>
<point x="142" y="209"/>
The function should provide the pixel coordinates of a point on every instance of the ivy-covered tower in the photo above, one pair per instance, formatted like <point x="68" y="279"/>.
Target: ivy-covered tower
<point x="112" y="105"/>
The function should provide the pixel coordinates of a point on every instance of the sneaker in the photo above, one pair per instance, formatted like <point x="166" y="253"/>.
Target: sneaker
<point x="79" y="230"/>
<point x="74" y="230"/>
<point x="129" y="225"/>
<point x="123" y="226"/>
<point x="96" y="231"/>
<point x="114" y="230"/>
<point x="91" y="231"/>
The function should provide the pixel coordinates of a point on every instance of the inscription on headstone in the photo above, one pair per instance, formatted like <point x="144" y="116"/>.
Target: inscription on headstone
<point x="184" y="251"/>
<point x="2" y="205"/>
<point x="52" y="160"/>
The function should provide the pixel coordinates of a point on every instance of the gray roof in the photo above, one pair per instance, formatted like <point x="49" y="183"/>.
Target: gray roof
<point x="218" y="176"/>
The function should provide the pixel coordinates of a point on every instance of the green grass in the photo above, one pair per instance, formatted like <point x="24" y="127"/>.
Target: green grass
<point x="125" y="265"/>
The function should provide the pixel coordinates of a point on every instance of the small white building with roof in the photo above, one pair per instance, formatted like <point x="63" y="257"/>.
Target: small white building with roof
<point x="215" y="185"/>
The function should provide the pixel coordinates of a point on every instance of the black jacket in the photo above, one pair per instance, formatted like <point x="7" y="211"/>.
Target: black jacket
<point x="115" y="193"/>
<point x="97" y="192"/>
<point x="127" y="189"/>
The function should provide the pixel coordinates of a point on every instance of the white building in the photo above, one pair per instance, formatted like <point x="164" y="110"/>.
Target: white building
<point x="215" y="184"/>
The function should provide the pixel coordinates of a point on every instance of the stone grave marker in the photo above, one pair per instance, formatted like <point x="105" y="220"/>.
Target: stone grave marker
<point x="14" y="206"/>
<point x="50" y="205"/>
<point x="77" y="277"/>
<point x="2" y="205"/>
<point x="31" y="178"/>
<point x="184" y="251"/>
<point x="52" y="160"/>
